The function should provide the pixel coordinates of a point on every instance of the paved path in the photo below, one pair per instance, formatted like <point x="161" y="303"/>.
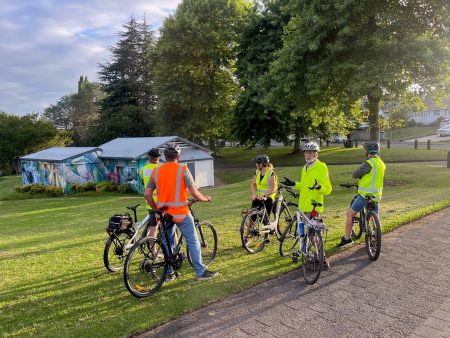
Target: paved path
<point x="405" y="293"/>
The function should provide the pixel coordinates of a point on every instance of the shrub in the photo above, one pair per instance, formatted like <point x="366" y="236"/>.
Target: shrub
<point x="90" y="186"/>
<point x="37" y="188"/>
<point x="54" y="191"/>
<point x="124" y="188"/>
<point x="24" y="188"/>
<point x="106" y="186"/>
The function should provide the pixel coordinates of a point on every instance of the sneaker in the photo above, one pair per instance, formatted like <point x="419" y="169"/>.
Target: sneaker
<point x="345" y="242"/>
<point x="207" y="275"/>
<point x="170" y="277"/>
<point x="326" y="265"/>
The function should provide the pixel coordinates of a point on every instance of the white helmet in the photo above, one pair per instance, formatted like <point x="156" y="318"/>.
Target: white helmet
<point x="311" y="146"/>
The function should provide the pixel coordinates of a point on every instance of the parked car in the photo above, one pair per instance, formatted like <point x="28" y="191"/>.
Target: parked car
<point x="337" y="139"/>
<point x="444" y="131"/>
<point x="444" y="123"/>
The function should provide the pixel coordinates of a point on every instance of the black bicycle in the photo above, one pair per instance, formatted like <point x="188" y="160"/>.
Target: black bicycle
<point x="367" y="222"/>
<point x="122" y="235"/>
<point x="148" y="261"/>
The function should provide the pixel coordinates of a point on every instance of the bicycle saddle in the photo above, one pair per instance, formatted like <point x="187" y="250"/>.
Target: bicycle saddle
<point x="316" y="204"/>
<point x="133" y="207"/>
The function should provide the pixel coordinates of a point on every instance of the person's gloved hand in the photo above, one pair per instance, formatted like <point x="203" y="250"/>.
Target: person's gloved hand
<point x="288" y="182"/>
<point x="316" y="186"/>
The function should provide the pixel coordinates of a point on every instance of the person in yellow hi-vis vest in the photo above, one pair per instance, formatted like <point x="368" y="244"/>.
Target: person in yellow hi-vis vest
<point x="264" y="184"/>
<point x="371" y="175"/>
<point x="314" y="184"/>
<point x="146" y="173"/>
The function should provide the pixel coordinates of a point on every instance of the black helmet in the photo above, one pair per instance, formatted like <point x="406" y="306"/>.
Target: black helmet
<point x="372" y="147"/>
<point x="155" y="152"/>
<point x="264" y="159"/>
<point x="172" y="151"/>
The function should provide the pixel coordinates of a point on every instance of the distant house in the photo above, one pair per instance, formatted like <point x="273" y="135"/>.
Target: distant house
<point x="63" y="166"/>
<point x="124" y="158"/>
<point x="432" y="112"/>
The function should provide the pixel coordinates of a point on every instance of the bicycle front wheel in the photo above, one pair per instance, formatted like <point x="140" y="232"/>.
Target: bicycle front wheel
<point x="145" y="267"/>
<point x="284" y="219"/>
<point x="115" y="253"/>
<point x="252" y="238"/>
<point x="289" y="239"/>
<point x="373" y="236"/>
<point x="207" y="236"/>
<point x="312" y="260"/>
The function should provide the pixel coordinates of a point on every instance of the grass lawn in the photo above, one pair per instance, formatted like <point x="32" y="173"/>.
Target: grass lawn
<point x="409" y="132"/>
<point x="54" y="283"/>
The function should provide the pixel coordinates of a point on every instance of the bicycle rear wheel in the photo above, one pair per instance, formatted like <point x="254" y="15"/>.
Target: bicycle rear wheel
<point x="373" y="236"/>
<point x="252" y="238"/>
<point x="114" y="253"/>
<point x="207" y="237"/>
<point x="312" y="261"/>
<point x="289" y="238"/>
<point x="145" y="267"/>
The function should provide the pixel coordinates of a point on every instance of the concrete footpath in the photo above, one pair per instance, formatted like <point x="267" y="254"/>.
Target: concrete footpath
<point x="406" y="292"/>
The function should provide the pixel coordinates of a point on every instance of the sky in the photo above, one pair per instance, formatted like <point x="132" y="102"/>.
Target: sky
<point x="46" y="45"/>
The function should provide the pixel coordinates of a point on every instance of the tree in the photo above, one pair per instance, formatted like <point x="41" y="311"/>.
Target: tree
<point x="77" y="112"/>
<point x="194" y="72"/>
<point x="371" y="49"/>
<point x="128" y="82"/>
<point x="261" y="38"/>
<point x="21" y="135"/>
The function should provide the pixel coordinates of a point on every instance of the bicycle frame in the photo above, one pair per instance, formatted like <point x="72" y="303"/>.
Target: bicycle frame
<point x="138" y="226"/>
<point x="279" y="202"/>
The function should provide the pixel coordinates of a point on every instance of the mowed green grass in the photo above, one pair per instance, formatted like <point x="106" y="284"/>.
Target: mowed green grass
<point x="54" y="283"/>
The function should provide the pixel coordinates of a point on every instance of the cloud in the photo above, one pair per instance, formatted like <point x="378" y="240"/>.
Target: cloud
<point x="47" y="44"/>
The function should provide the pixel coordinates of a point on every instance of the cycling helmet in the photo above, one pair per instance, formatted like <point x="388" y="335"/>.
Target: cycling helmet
<point x="155" y="152"/>
<point x="311" y="146"/>
<point x="372" y="147"/>
<point x="264" y="159"/>
<point x="172" y="151"/>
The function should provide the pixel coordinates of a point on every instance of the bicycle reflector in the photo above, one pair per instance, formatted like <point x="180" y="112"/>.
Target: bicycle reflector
<point x="314" y="214"/>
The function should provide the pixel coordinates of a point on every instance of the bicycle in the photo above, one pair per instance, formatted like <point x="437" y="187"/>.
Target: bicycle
<point x="367" y="221"/>
<point x="121" y="238"/>
<point x="148" y="261"/>
<point x="312" y="249"/>
<point x="256" y="225"/>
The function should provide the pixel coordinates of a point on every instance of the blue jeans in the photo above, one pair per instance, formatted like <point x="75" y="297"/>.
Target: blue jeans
<point x="360" y="202"/>
<point x="187" y="228"/>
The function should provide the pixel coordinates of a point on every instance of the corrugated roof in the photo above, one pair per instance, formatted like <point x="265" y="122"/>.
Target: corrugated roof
<point x="132" y="148"/>
<point x="58" y="154"/>
<point x="190" y="154"/>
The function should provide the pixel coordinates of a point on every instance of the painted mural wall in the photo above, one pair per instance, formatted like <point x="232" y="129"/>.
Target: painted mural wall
<point x="79" y="170"/>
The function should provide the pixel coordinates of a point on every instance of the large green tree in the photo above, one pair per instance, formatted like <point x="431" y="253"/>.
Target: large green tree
<point x="261" y="37"/>
<point x="128" y="109"/>
<point x="371" y="49"/>
<point x="196" y="54"/>
<point x="21" y="135"/>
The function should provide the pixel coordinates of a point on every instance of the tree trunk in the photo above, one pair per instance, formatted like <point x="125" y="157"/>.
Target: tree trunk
<point x="212" y="144"/>
<point x="374" y="105"/>
<point x="297" y="140"/>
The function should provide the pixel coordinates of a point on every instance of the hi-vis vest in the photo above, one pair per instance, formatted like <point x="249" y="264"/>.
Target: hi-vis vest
<point x="172" y="191"/>
<point x="146" y="173"/>
<point x="372" y="183"/>
<point x="263" y="185"/>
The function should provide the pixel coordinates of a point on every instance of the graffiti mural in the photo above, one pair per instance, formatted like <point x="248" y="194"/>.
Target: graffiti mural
<point x="79" y="170"/>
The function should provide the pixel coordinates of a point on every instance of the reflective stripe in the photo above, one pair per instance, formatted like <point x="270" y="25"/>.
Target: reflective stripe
<point x="156" y="176"/>
<point x="177" y="185"/>
<point x="171" y="204"/>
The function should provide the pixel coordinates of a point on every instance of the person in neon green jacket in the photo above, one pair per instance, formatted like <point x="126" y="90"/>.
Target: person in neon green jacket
<point x="314" y="184"/>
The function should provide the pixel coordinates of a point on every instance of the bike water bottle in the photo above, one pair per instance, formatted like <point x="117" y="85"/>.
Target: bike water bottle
<point x="301" y="229"/>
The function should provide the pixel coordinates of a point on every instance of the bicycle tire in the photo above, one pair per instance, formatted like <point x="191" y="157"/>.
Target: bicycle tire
<point x="312" y="263"/>
<point x="114" y="253"/>
<point x="357" y="228"/>
<point x="289" y="239"/>
<point x="373" y="235"/>
<point x="207" y="236"/>
<point x="284" y="219"/>
<point x="252" y="239"/>
<point x="145" y="267"/>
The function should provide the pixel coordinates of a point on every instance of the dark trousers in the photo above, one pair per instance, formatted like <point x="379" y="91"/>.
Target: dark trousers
<point x="268" y="203"/>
